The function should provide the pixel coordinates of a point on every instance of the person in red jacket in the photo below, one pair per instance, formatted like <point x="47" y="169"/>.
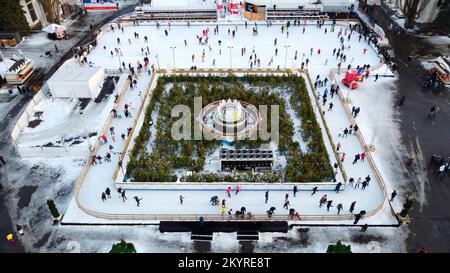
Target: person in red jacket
<point x="363" y="156"/>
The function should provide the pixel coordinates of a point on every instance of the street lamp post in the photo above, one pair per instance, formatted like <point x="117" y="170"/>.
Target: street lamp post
<point x="230" y="47"/>
<point x="120" y="62"/>
<point x="120" y="162"/>
<point x="157" y="59"/>
<point x="173" y="55"/>
<point x="285" y="57"/>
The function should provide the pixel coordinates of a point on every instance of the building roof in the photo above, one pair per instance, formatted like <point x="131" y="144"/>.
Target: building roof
<point x="75" y="73"/>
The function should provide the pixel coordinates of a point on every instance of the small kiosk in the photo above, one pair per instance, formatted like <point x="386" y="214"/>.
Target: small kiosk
<point x="255" y="10"/>
<point x="19" y="72"/>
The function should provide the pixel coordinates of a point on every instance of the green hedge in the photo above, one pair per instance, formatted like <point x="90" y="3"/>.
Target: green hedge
<point x="167" y="154"/>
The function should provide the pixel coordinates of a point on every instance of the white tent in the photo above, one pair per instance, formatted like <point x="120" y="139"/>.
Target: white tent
<point x="53" y="28"/>
<point x="76" y="82"/>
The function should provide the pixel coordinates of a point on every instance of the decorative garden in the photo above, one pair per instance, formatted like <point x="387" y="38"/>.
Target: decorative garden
<point x="156" y="156"/>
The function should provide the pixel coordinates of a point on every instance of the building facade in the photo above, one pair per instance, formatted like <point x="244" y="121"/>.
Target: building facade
<point x="37" y="15"/>
<point x="427" y="10"/>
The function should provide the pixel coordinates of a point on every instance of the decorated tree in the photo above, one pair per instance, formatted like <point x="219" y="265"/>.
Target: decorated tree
<point x="123" y="247"/>
<point x="12" y="17"/>
<point x="52" y="207"/>
<point x="339" y="248"/>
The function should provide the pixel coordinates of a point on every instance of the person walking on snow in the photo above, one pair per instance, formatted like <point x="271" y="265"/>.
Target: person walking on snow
<point x="338" y="187"/>
<point x="103" y="196"/>
<point x="267" y="196"/>
<point x="122" y="194"/>
<point x="138" y="201"/>
<point x="314" y="190"/>
<point x="343" y="157"/>
<point x="181" y="199"/>
<point x="108" y="192"/>
<point x="295" y="190"/>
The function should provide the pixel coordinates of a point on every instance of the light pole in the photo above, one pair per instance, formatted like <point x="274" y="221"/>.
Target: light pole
<point x="230" y="47"/>
<point x="285" y="57"/>
<point x="157" y="59"/>
<point x="120" y="161"/>
<point x="173" y="55"/>
<point x="118" y="56"/>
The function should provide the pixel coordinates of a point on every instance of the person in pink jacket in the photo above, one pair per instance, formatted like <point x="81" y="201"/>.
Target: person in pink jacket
<point x="229" y="192"/>
<point x="238" y="188"/>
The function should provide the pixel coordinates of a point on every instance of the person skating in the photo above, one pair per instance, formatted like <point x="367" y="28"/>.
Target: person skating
<point x="286" y="197"/>
<point x="351" y="181"/>
<point x="286" y="204"/>
<point x="238" y="188"/>
<point x="357" y="157"/>
<point x="364" y="185"/>
<point x="364" y="227"/>
<point x="243" y="210"/>
<point x="345" y="132"/>
<point x="402" y="100"/>
<point x="267" y="196"/>
<point x="124" y="197"/>
<point x="295" y="190"/>
<point x="314" y="190"/>
<point x="352" y="206"/>
<point x="339" y="208"/>
<point x="229" y="192"/>
<point x="363" y="156"/>
<point x="138" y="200"/>
<point x="329" y="204"/>
<point x="19" y="229"/>
<point x="2" y="160"/>
<point x="108" y="192"/>
<point x="357" y="218"/>
<point x="181" y="198"/>
<point x="358" y="182"/>
<point x="103" y="196"/>
<point x="330" y="106"/>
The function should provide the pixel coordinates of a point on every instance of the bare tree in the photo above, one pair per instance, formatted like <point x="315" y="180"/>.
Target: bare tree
<point x="52" y="10"/>
<point x="410" y="9"/>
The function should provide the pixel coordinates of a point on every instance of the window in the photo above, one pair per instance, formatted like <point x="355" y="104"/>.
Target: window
<point x="31" y="11"/>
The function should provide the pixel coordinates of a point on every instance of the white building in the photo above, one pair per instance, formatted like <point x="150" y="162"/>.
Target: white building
<point x="76" y="82"/>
